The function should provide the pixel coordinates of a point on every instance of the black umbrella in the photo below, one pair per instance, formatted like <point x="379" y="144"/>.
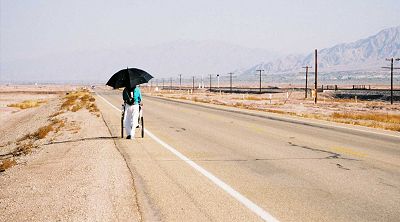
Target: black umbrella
<point x="128" y="77"/>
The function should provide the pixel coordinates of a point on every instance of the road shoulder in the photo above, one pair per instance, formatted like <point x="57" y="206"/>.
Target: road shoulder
<point x="74" y="174"/>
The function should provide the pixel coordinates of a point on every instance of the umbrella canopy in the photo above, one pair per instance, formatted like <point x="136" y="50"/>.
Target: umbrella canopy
<point x="129" y="77"/>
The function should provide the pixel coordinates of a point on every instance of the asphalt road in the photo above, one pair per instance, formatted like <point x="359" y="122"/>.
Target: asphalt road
<point x="291" y="169"/>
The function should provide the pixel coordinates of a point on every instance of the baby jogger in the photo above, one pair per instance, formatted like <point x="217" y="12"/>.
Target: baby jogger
<point x="131" y="112"/>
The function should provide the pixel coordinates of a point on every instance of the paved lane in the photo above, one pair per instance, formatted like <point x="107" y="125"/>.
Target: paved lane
<point x="295" y="171"/>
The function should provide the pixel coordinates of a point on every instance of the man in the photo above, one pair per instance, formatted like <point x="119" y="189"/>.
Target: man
<point x="132" y="99"/>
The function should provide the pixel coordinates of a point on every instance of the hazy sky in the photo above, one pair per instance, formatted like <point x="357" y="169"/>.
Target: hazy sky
<point x="33" y="27"/>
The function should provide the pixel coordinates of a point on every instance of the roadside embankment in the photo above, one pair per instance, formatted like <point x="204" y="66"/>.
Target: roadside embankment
<point x="58" y="161"/>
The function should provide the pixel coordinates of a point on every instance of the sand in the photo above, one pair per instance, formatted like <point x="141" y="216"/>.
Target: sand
<point x="75" y="173"/>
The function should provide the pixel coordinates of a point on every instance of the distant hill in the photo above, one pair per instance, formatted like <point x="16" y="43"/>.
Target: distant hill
<point x="362" y="56"/>
<point x="163" y="60"/>
<point x="360" y="59"/>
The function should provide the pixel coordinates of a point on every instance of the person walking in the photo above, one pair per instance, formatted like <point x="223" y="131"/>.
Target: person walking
<point x="132" y="98"/>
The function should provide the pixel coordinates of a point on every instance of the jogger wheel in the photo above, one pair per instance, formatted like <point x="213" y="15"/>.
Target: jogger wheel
<point x="142" y="128"/>
<point x="122" y="126"/>
<point x="122" y="120"/>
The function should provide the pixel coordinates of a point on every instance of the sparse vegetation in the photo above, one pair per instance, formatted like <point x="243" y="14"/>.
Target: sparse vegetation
<point x="240" y="105"/>
<point x="27" y="104"/>
<point x="75" y="101"/>
<point x="7" y="163"/>
<point x="254" y="98"/>
<point x="43" y="131"/>
<point x="196" y="99"/>
<point x="379" y="117"/>
<point x="278" y="111"/>
<point x="56" y="114"/>
<point x="376" y="120"/>
<point x="25" y="148"/>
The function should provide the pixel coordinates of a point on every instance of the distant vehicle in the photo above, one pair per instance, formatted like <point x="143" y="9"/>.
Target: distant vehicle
<point x="93" y="86"/>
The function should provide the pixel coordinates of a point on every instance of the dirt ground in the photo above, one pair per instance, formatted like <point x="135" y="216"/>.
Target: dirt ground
<point x="58" y="166"/>
<point x="377" y="114"/>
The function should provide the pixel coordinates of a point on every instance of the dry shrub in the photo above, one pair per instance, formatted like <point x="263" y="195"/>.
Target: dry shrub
<point x="25" y="148"/>
<point x="276" y="111"/>
<point x="69" y="102"/>
<point x="238" y="105"/>
<point x="217" y="102"/>
<point x="62" y="124"/>
<point x="27" y="104"/>
<point x="57" y="124"/>
<point x="43" y="131"/>
<point x="311" y="115"/>
<point x="56" y="120"/>
<point x="76" y="107"/>
<point x="85" y="97"/>
<point x="7" y="163"/>
<point x="254" y="98"/>
<point x="376" y="120"/>
<point x="56" y="114"/>
<point x="196" y="99"/>
<point x="378" y="117"/>
<point x="93" y="108"/>
<point x="26" y="137"/>
<point x="74" y="101"/>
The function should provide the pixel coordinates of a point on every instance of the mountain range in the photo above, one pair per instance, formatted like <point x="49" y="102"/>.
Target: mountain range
<point x="362" y="56"/>
<point x="359" y="59"/>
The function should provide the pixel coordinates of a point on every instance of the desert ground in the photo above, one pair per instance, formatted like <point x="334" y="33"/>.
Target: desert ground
<point x="58" y="161"/>
<point x="61" y="159"/>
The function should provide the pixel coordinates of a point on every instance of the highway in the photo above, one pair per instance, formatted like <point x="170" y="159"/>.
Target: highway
<point x="208" y="163"/>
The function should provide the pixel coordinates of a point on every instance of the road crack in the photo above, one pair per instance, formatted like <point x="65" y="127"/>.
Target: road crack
<point x="332" y="155"/>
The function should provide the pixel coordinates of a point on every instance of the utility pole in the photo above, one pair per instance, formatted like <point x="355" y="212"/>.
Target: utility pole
<point x="230" y="75"/>
<point x="306" y="67"/>
<point x="170" y="83"/>
<point x="391" y="76"/>
<point x="163" y="83"/>
<point x="180" y="82"/>
<point x="260" y="70"/>
<point x="193" y="83"/>
<point x="316" y="76"/>
<point x="210" y="82"/>
<point x="218" y="81"/>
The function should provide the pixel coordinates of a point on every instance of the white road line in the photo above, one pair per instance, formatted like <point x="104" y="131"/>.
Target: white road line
<point x="242" y="199"/>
